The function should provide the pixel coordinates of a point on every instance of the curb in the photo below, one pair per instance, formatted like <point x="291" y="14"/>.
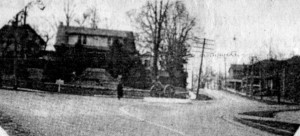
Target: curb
<point x="3" y="132"/>
<point x="167" y="100"/>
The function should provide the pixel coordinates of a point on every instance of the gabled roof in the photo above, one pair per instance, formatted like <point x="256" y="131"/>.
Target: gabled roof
<point x="22" y="31"/>
<point x="64" y="30"/>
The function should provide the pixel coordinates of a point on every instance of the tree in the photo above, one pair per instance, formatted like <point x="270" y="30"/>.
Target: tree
<point x="150" y="21"/>
<point x="69" y="7"/>
<point x="91" y="15"/>
<point x="167" y="28"/>
<point x="121" y="60"/>
<point x="175" y="52"/>
<point x="94" y="17"/>
<point x="82" y="21"/>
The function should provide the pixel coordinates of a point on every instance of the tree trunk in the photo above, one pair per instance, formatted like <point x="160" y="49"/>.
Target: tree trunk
<point x="155" y="59"/>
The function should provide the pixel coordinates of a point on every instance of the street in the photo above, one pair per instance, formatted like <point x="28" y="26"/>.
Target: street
<point x="63" y="115"/>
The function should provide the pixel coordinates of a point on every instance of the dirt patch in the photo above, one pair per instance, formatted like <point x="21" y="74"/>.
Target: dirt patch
<point x="203" y="97"/>
<point x="12" y="128"/>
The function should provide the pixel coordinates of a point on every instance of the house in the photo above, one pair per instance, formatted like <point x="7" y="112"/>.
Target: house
<point x="98" y="40"/>
<point x="147" y="60"/>
<point x="236" y="73"/>
<point x="79" y="48"/>
<point x="20" y="42"/>
<point x="262" y="77"/>
<point x="29" y="43"/>
<point x="94" y="43"/>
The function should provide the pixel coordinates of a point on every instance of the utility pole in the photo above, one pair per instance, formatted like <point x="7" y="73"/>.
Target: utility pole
<point x="192" y="80"/>
<point x="225" y="72"/>
<point x="15" y="29"/>
<point x="204" y="43"/>
<point x="252" y="76"/>
<point x="200" y="69"/>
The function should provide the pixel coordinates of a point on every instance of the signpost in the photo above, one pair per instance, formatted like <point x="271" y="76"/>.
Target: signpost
<point x="59" y="82"/>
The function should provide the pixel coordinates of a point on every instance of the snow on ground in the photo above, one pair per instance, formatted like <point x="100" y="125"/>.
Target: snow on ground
<point x="60" y="114"/>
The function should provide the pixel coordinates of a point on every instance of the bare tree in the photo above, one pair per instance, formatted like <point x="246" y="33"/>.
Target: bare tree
<point x="90" y="16"/>
<point x="48" y="31"/>
<point x="94" y="17"/>
<point x="150" y="20"/>
<point x="81" y="22"/>
<point x="69" y="12"/>
<point x="166" y="29"/>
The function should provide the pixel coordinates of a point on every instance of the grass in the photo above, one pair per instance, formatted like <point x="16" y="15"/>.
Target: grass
<point x="266" y="114"/>
<point x="274" y="127"/>
<point x="203" y="97"/>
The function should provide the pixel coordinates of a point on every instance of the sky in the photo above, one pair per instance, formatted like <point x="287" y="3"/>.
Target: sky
<point x="240" y="28"/>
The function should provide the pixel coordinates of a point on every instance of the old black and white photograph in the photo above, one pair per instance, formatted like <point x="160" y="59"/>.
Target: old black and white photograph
<point x="149" y="68"/>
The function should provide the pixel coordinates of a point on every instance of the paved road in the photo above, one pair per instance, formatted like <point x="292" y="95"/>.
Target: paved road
<point x="64" y="115"/>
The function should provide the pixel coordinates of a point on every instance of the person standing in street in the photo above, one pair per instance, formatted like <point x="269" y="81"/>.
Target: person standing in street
<point x="120" y="91"/>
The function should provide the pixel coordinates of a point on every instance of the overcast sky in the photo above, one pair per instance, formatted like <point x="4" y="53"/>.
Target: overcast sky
<point x="245" y="27"/>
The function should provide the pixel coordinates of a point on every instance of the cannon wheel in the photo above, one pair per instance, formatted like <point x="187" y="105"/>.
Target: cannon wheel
<point x="156" y="90"/>
<point x="169" y="91"/>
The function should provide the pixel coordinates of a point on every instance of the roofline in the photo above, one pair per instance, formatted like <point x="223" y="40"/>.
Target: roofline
<point x="88" y="28"/>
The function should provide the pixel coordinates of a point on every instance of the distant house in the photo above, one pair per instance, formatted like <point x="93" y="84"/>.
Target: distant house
<point x="236" y="73"/>
<point x="98" y="40"/>
<point x="29" y="43"/>
<point x="147" y="60"/>
<point x="262" y="76"/>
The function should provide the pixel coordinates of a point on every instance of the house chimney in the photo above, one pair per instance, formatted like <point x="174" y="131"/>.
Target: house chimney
<point x="61" y="24"/>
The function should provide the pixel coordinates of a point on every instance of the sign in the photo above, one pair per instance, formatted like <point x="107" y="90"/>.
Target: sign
<point x="59" y="82"/>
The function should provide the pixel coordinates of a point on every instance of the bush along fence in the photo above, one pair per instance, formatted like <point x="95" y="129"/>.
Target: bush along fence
<point x="76" y="89"/>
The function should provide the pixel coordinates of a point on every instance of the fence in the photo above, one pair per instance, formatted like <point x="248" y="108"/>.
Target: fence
<point x="76" y="89"/>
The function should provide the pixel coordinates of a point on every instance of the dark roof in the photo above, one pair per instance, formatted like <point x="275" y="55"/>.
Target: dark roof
<point x="238" y="67"/>
<point x="63" y="30"/>
<point x="7" y="31"/>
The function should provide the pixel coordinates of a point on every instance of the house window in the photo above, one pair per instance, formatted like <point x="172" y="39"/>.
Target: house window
<point x="84" y="39"/>
<point x="109" y="41"/>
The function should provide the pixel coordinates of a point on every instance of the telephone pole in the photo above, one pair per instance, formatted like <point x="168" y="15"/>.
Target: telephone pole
<point x="192" y="80"/>
<point x="225" y="72"/>
<point x="201" y="63"/>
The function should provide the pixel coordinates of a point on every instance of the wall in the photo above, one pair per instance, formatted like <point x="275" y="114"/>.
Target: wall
<point x="96" y="41"/>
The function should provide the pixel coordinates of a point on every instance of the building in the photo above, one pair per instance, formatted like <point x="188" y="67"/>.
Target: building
<point x="262" y="77"/>
<point x="94" y="43"/>
<point x="147" y="60"/>
<point x="80" y="48"/>
<point x="236" y="74"/>
<point x="21" y="42"/>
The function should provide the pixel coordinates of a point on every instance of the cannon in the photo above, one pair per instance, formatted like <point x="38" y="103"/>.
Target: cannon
<point x="169" y="91"/>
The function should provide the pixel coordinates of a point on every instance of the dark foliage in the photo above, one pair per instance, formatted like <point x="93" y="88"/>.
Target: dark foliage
<point x="121" y="60"/>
